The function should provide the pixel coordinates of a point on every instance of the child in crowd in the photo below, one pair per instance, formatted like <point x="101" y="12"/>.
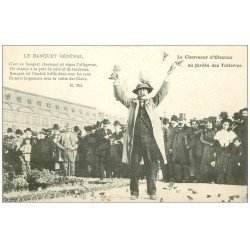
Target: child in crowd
<point x="235" y="171"/>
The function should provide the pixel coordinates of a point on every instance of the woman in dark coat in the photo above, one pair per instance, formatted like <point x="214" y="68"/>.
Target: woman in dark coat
<point x="195" y="148"/>
<point x="207" y="172"/>
<point x="39" y="153"/>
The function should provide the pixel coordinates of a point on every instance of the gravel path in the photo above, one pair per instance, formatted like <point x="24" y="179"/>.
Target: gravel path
<point x="166" y="192"/>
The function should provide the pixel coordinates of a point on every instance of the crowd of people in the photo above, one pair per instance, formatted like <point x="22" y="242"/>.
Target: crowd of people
<point x="211" y="150"/>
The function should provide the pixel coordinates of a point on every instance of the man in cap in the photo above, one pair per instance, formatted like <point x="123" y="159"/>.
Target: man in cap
<point x="181" y="150"/>
<point x="173" y="129"/>
<point x="143" y="138"/>
<point x="102" y="148"/>
<point x="86" y="152"/>
<point x="38" y="156"/>
<point x="115" y="154"/>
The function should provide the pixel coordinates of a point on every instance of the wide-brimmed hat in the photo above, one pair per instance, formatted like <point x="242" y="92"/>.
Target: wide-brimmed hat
<point x="143" y="86"/>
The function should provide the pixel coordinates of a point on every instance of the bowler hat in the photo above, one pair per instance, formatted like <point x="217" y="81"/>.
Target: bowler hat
<point x="174" y="118"/>
<point x="165" y="120"/>
<point x="19" y="132"/>
<point x="76" y="129"/>
<point x="27" y="129"/>
<point x="106" y="122"/>
<point x="55" y="127"/>
<point x="223" y="114"/>
<point x="88" y="128"/>
<point x="117" y="123"/>
<point x="9" y="130"/>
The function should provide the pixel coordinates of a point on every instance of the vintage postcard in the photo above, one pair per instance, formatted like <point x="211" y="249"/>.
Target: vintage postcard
<point x="125" y="124"/>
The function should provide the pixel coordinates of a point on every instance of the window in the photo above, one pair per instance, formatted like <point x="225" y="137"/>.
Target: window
<point x="43" y="121"/>
<point x="22" y="119"/>
<point x="27" y="119"/>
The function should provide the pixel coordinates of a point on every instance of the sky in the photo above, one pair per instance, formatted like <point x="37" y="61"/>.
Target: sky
<point x="199" y="92"/>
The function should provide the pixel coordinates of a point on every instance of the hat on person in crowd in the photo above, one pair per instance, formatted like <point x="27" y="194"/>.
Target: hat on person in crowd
<point x="117" y="123"/>
<point x="106" y="122"/>
<point x="223" y="114"/>
<point x="9" y="130"/>
<point x="236" y="116"/>
<point x="27" y="129"/>
<point x="182" y="117"/>
<point x="55" y="127"/>
<point x="19" y="132"/>
<point x="42" y="132"/>
<point x="88" y="128"/>
<point x="174" y="118"/>
<point x="94" y="126"/>
<point x="144" y="84"/>
<point x="76" y="129"/>
<point x="165" y="120"/>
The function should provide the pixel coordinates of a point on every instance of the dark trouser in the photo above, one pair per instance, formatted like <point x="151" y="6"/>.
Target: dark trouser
<point x="144" y="148"/>
<point x="69" y="162"/>
<point x="101" y="163"/>
<point x="117" y="170"/>
<point x="182" y="173"/>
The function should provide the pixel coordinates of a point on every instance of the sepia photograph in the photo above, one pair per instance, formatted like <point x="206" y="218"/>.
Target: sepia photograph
<point x="122" y="124"/>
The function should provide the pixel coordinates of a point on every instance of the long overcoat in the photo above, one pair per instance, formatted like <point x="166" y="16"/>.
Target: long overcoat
<point x="133" y="105"/>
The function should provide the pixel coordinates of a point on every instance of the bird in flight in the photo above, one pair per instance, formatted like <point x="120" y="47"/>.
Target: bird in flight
<point x="165" y="55"/>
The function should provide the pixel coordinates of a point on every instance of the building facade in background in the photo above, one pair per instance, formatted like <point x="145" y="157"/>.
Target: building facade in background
<point x="22" y="109"/>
